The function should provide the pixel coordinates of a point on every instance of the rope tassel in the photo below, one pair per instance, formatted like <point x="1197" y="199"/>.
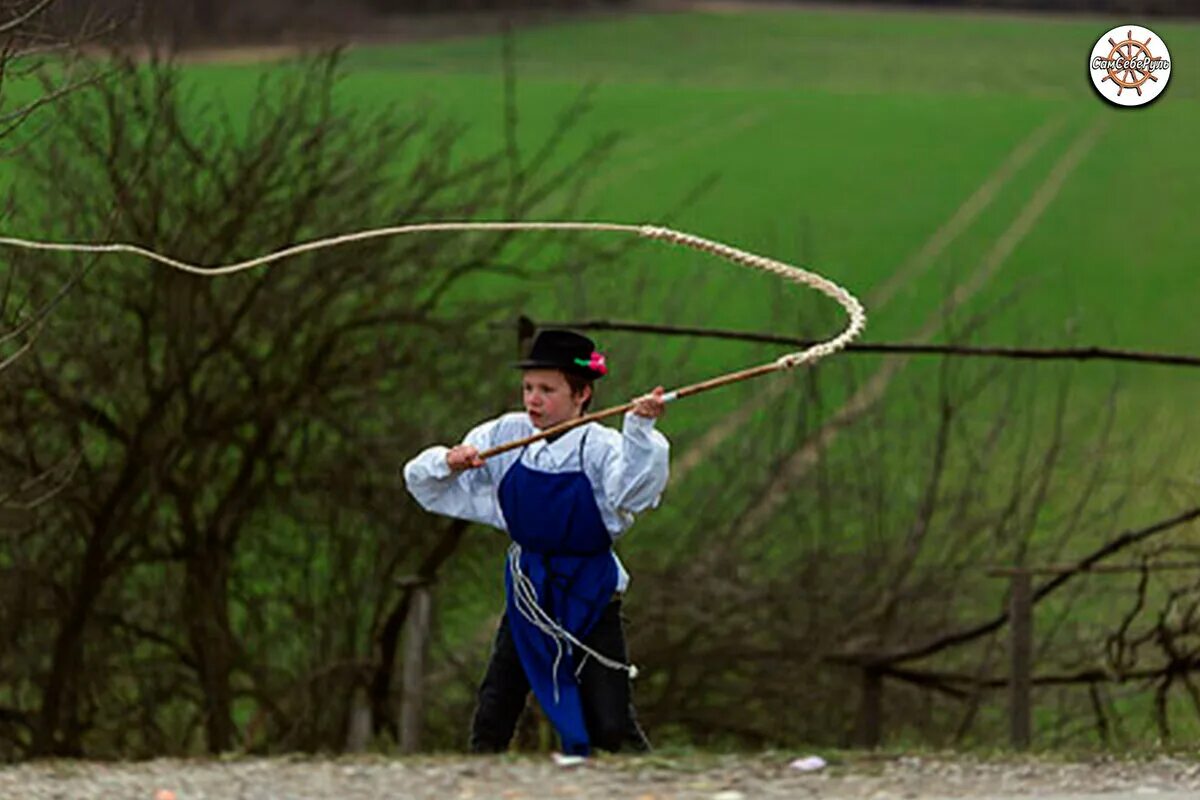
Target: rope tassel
<point x="526" y="601"/>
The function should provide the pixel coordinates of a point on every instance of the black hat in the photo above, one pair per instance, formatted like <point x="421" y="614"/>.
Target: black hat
<point x="565" y="350"/>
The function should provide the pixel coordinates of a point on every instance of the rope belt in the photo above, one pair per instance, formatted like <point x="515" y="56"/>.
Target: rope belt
<point x="526" y="600"/>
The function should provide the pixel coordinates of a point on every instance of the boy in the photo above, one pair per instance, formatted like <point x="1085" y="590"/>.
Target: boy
<point x="563" y="501"/>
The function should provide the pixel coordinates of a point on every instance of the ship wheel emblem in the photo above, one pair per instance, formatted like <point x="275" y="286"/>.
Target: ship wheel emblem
<point x="1129" y="65"/>
<point x="1132" y="52"/>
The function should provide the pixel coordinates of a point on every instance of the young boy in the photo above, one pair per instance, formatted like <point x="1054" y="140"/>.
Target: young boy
<point x="564" y="502"/>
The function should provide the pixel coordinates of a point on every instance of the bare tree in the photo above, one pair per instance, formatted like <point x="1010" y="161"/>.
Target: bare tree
<point x="232" y="537"/>
<point x="39" y="66"/>
<point x="883" y="547"/>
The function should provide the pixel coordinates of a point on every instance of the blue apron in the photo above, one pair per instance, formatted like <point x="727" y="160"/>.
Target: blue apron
<point x="566" y="555"/>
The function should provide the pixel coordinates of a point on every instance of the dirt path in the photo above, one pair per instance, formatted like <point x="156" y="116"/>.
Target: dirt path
<point x="859" y="777"/>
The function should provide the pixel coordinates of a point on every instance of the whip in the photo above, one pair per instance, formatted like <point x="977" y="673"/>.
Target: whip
<point x="849" y="303"/>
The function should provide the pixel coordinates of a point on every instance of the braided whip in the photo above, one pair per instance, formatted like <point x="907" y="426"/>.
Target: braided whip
<point x="847" y="301"/>
<point x="525" y="594"/>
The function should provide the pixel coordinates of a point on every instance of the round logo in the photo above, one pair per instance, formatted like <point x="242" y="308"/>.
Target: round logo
<point x="1130" y="65"/>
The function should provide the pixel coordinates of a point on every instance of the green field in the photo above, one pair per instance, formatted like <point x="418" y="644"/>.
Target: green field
<point x="846" y="141"/>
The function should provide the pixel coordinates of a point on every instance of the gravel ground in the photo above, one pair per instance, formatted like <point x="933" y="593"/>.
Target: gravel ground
<point x="654" y="777"/>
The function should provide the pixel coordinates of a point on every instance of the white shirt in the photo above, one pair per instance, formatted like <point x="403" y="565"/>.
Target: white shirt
<point x="627" y="470"/>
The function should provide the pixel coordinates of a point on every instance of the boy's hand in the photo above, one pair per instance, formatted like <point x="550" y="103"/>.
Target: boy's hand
<point x="650" y="405"/>
<point x="463" y="456"/>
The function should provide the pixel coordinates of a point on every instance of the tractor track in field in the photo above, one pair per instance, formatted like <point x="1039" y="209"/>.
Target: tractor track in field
<point x="878" y="298"/>
<point x="865" y="398"/>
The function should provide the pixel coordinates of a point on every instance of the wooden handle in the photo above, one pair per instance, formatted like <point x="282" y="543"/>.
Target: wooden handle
<point x="685" y="391"/>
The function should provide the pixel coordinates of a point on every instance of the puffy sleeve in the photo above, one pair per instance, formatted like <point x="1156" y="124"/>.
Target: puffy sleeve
<point x="635" y="473"/>
<point x="468" y="494"/>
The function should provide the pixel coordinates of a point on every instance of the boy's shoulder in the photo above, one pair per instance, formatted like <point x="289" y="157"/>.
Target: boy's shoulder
<point x="610" y="435"/>
<point x="604" y="435"/>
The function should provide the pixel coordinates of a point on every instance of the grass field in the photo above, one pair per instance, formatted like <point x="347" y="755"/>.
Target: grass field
<point x="926" y="161"/>
<point x="907" y="155"/>
<point x="923" y="160"/>
<point x="850" y="138"/>
<point x="850" y="141"/>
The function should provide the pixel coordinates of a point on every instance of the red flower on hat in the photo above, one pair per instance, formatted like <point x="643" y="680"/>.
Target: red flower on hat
<point x="595" y="363"/>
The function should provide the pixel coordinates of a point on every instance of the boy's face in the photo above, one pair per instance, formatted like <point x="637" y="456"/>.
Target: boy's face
<point x="548" y="398"/>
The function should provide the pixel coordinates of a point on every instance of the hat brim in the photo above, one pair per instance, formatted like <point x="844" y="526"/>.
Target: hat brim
<point x="574" y="369"/>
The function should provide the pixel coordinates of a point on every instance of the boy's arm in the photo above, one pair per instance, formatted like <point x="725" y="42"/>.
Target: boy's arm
<point x="636" y="475"/>
<point x="468" y="494"/>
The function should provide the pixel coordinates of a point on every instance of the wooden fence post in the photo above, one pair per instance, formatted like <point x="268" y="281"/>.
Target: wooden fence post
<point x="358" y="728"/>
<point x="1021" y="676"/>
<point x="870" y="710"/>
<point x="416" y="645"/>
